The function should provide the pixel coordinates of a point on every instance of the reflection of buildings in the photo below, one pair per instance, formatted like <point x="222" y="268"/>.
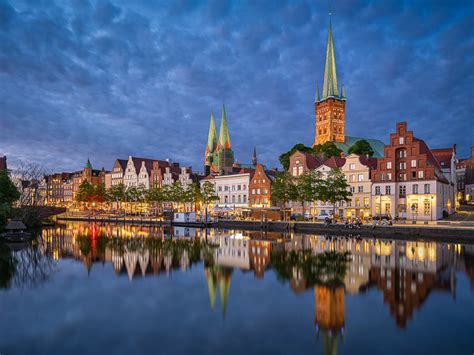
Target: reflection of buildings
<point x="407" y="272"/>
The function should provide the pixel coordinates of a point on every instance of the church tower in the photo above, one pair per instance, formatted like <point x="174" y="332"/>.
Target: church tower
<point x="330" y="106"/>
<point x="211" y="145"/>
<point x="224" y="156"/>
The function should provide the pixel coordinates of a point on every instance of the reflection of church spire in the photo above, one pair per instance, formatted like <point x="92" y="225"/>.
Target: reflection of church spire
<point x="224" y="286"/>
<point x="211" y="286"/>
<point x="329" y="315"/>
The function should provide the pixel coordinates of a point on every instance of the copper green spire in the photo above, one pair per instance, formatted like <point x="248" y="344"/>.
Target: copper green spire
<point x="330" y="76"/>
<point x="317" y="98"/>
<point x="224" y="138"/>
<point x="212" y="135"/>
<point x="88" y="164"/>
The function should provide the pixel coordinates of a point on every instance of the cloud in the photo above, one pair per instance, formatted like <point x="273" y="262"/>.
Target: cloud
<point x="107" y="79"/>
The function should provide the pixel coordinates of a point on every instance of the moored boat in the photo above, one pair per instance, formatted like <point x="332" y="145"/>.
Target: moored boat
<point x="16" y="232"/>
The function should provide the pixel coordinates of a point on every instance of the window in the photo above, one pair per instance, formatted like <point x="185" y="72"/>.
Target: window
<point x="377" y="190"/>
<point x="300" y="170"/>
<point x="253" y="191"/>
<point x="427" y="188"/>
<point x="403" y="190"/>
<point x="420" y="174"/>
<point x="413" y="163"/>
<point x="233" y="199"/>
<point x="415" y="189"/>
<point x="360" y="189"/>
<point x="402" y="153"/>
<point x="352" y="188"/>
<point x="382" y="177"/>
<point x="239" y="187"/>
<point x="295" y="171"/>
<point x="358" y="202"/>
<point x="427" y="209"/>
<point x="402" y="165"/>
<point x="352" y="166"/>
<point x="258" y="191"/>
<point x="401" y="140"/>
<point x="403" y="177"/>
<point x="361" y="177"/>
<point x="387" y="190"/>
<point x="366" y="202"/>
<point x="389" y="165"/>
<point x="413" y="175"/>
<point x="389" y="176"/>
<point x="245" y="198"/>
<point x="220" y="188"/>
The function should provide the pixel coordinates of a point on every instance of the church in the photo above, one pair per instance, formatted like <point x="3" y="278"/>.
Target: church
<point x="219" y="156"/>
<point x="330" y="107"/>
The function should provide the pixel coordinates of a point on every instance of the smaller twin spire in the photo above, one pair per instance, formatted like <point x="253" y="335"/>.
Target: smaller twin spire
<point x="224" y="137"/>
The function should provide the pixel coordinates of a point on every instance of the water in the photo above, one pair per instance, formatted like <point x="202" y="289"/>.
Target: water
<point x="124" y="290"/>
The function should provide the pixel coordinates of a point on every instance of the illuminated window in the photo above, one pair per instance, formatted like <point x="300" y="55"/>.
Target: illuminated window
<point x="389" y="165"/>
<point x="413" y="163"/>
<point x="401" y="140"/>
<point x="420" y="174"/>
<point x="352" y="166"/>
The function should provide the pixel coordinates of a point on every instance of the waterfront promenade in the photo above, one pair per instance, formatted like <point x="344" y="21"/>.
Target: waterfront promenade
<point x="449" y="231"/>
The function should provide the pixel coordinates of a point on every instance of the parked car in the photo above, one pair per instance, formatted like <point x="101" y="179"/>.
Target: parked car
<point x="322" y="217"/>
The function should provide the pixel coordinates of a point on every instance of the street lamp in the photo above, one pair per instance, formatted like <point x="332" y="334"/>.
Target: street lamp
<point x="431" y="208"/>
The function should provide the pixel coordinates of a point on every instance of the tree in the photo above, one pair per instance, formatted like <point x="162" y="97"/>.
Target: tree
<point x="283" y="189"/>
<point x="309" y="187"/>
<point x="134" y="194"/>
<point x="29" y="179"/>
<point x="285" y="157"/>
<point x="327" y="150"/>
<point x="99" y="193"/>
<point x="361" y="147"/>
<point x="85" y="192"/>
<point x="8" y="191"/>
<point x="335" y="188"/>
<point x="116" y="193"/>
<point x="207" y="195"/>
<point x="8" y="195"/>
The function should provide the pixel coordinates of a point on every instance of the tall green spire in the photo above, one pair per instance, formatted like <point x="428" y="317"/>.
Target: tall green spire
<point x="88" y="164"/>
<point x="330" y="76"/>
<point x="224" y="138"/>
<point x="317" y="98"/>
<point x="212" y="135"/>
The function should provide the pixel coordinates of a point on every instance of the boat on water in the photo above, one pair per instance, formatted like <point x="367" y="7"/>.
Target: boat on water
<point x="16" y="232"/>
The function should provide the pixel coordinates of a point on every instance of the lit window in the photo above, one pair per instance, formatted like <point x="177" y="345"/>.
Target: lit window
<point x="361" y="177"/>
<point x="420" y="174"/>
<point x="300" y="170"/>
<point x="352" y="166"/>
<point x="389" y="176"/>
<point x="389" y="165"/>
<point x="413" y="163"/>
<point x="401" y="140"/>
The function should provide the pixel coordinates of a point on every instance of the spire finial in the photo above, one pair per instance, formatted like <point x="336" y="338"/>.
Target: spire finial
<point x="254" y="156"/>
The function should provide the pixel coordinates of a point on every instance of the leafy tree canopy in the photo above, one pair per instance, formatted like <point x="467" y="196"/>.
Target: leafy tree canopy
<point x="361" y="147"/>
<point x="326" y="150"/>
<point x="8" y="191"/>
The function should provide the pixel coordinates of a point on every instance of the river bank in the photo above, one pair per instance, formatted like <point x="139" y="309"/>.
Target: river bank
<point x="440" y="233"/>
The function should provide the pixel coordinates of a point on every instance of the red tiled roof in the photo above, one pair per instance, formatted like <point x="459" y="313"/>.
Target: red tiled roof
<point x="335" y="162"/>
<point x="443" y="156"/>
<point x="369" y="162"/>
<point x="425" y="150"/>
<point x="209" y="177"/>
<point x="311" y="161"/>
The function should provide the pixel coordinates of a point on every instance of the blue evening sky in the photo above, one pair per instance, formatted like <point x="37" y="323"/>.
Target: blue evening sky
<point x="109" y="79"/>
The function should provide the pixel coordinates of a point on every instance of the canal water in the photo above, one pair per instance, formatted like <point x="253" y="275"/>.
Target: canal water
<point x="98" y="288"/>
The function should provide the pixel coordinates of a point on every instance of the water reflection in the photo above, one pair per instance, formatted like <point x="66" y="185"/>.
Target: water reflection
<point x="332" y="268"/>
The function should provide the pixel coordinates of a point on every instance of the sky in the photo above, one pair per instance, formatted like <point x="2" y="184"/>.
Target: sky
<point x="108" y="79"/>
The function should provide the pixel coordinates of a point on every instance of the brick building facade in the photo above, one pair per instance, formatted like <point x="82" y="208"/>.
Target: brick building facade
<point x="408" y="182"/>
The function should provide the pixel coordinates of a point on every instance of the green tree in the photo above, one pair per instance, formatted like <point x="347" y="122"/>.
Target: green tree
<point x="285" y="157"/>
<point x="283" y="189"/>
<point x="361" y="147"/>
<point x="85" y="192"/>
<point x="134" y="195"/>
<point x="207" y="195"/>
<point x="8" y="191"/>
<point x="116" y="193"/>
<point x="327" y="150"/>
<point x="310" y="187"/>
<point x="335" y="188"/>
<point x="100" y="193"/>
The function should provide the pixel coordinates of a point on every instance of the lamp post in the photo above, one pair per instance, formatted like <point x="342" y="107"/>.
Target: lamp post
<point x="431" y="208"/>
